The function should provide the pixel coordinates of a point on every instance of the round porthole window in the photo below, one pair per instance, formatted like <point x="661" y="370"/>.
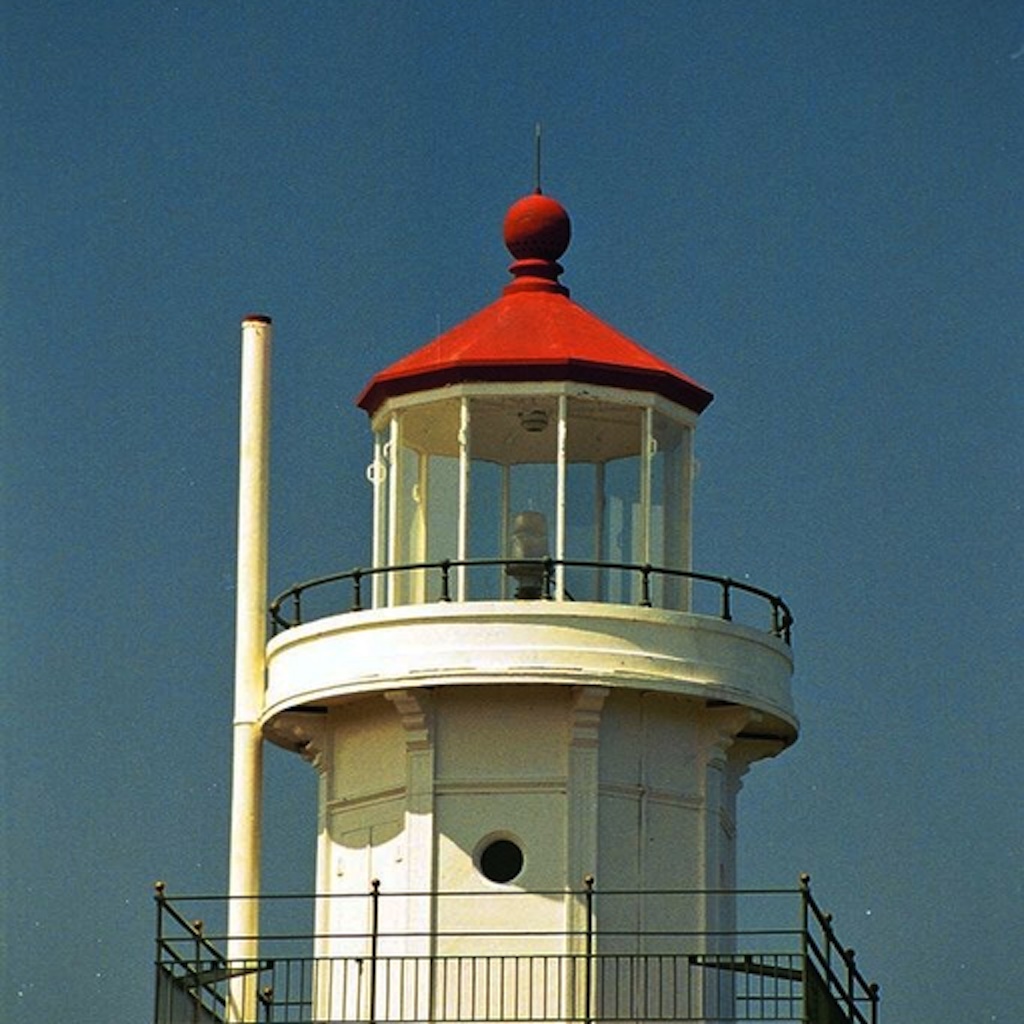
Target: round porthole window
<point x="500" y="860"/>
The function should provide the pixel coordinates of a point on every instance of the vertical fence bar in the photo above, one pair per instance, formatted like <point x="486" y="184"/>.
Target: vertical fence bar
<point x="197" y="970"/>
<point x="160" y="898"/>
<point x="588" y="966"/>
<point x="549" y="578"/>
<point x="374" y="945"/>
<point x="727" y="599"/>
<point x="645" y="586"/>
<point x="805" y="979"/>
<point x="849" y="957"/>
<point x="357" y="591"/>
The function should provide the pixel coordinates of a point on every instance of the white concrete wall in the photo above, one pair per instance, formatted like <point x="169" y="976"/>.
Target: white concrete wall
<point x="517" y="642"/>
<point x="640" y="796"/>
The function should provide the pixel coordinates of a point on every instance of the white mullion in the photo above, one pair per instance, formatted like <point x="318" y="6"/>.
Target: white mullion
<point x="560" y="477"/>
<point x="462" y="541"/>
<point x="420" y="525"/>
<point x="379" y="476"/>
<point x="393" y="495"/>
<point x="600" y="510"/>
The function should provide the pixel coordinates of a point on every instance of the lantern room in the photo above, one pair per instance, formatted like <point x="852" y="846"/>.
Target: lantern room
<point x="533" y="446"/>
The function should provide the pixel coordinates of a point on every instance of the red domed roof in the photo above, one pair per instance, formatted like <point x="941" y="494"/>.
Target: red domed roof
<point x="534" y="332"/>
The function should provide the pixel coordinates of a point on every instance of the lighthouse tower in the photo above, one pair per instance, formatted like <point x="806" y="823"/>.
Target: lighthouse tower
<point x="528" y="712"/>
<point x="529" y="695"/>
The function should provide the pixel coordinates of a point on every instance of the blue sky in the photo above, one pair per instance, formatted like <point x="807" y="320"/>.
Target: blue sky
<point x="812" y="208"/>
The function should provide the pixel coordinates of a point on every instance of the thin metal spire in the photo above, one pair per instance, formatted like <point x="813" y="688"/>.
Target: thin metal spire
<point x="536" y="157"/>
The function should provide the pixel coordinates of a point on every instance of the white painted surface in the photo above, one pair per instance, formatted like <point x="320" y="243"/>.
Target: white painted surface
<point x="515" y="642"/>
<point x="250" y="654"/>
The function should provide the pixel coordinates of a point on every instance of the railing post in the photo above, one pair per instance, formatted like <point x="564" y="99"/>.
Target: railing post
<point x="446" y="567"/>
<point x="374" y="940"/>
<point x="297" y="621"/>
<point x="805" y="924"/>
<point x="588" y="968"/>
<point x="160" y="898"/>
<point x="727" y="599"/>
<point x="850" y="957"/>
<point x="357" y="591"/>
<point x="645" y="586"/>
<point x="548" y="578"/>
<point x="197" y="970"/>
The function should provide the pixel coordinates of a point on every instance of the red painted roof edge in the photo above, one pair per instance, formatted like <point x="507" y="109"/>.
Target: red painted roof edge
<point x="673" y="386"/>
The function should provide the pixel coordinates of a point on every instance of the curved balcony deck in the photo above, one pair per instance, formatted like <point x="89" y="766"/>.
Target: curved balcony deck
<point x="652" y="638"/>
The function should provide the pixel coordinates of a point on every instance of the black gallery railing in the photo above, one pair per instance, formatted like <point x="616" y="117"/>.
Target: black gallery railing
<point x="780" y="961"/>
<point x="539" y="579"/>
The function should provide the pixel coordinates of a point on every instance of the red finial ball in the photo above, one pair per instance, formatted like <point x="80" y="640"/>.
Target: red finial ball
<point x="537" y="228"/>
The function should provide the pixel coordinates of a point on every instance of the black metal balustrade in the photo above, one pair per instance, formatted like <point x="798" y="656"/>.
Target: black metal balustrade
<point x="648" y="585"/>
<point x="379" y="974"/>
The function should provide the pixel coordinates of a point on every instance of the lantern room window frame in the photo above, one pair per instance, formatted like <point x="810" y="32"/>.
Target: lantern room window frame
<point x="486" y="448"/>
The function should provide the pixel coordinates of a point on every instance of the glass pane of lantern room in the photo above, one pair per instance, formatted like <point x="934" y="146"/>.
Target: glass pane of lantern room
<point x="512" y="486"/>
<point x="426" y="498"/>
<point x="583" y="495"/>
<point x="670" y="509"/>
<point x="604" y="519"/>
<point x="487" y="522"/>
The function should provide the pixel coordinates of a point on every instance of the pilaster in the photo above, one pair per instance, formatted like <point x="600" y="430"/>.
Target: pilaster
<point x="582" y="792"/>
<point x="415" y="712"/>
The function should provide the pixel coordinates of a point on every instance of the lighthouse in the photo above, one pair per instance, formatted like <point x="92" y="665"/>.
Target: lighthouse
<point x="529" y="714"/>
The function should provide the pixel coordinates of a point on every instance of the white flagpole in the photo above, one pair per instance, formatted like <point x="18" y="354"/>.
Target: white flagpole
<point x="250" y="665"/>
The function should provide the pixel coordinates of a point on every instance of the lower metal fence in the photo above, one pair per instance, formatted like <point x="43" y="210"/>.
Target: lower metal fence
<point x="757" y="972"/>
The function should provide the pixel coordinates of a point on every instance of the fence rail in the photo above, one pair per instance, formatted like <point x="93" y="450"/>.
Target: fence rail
<point x="794" y="972"/>
<point x="539" y="579"/>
